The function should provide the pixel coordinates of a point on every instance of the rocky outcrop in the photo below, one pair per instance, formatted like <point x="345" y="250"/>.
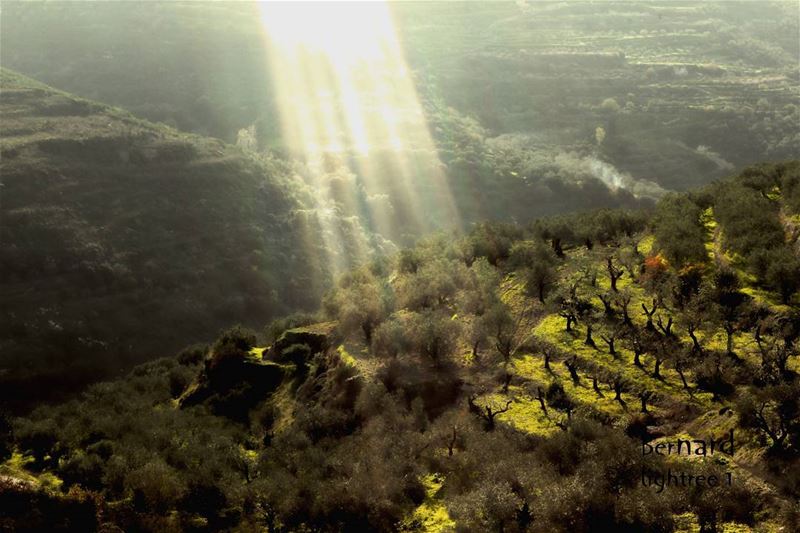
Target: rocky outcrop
<point x="234" y="381"/>
<point x="318" y="337"/>
<point x="234" y="386"/>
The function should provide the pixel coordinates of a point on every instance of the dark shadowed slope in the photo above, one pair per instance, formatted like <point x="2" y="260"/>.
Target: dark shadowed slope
<point x="123" y="239"/>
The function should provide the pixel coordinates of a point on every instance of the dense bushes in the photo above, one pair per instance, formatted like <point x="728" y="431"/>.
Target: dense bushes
<point x="752" y="227"/>
<point x="678" y="230"/>
<point x="420" y="404"/>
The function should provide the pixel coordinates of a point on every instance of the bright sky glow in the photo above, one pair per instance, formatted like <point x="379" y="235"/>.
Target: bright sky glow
<point x="348" y="106"/>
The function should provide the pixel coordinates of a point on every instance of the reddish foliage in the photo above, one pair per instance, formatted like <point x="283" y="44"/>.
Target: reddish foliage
<point x="655" y="266"/>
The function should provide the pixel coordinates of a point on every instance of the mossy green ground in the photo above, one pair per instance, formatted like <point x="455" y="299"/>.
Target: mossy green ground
<point x="345" y="356"/>
<point x="526" y="413"/>
<point x="431" y="516"/>
<point x="687" y="523"/>
<point x="720" y="255"/>
<point x="257" y="353"/>
<point x="14" y="467"/>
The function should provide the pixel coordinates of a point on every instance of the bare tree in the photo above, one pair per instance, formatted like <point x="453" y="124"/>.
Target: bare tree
<point x="487" y="412"/>
<point x="649" y="313"/>
<point x="508" y="329"/>
<point x="645" y="396"/>
<point x="572" y="367"/>
<point x="614" y="272"/>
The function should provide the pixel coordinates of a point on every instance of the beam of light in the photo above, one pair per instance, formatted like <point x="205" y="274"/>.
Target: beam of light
<point x="349" y="109"/>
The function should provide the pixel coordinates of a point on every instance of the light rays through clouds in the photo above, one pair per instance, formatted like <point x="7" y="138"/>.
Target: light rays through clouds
<point x="349" y="109"/>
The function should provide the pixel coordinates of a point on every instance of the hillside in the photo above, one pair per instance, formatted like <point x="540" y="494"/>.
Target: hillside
<point x="508" y="380"/>
<point x="684" y="92"/>
<point x="125" y="240"/>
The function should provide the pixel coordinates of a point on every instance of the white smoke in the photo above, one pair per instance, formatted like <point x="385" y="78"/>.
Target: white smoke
<point x="534" y="158"/>
<point x="614" y="179"/>
<point x="578" y="167"/>
<point x="721" y="162"/>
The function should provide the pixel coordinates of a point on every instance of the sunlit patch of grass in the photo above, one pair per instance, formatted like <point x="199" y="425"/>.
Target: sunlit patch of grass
<point x="551" y="328"/>
<point x="687" y="523"/>
<point x="284" y="403"/>
<point x="15" y="467"/>
<point x="710" y="223"/>
<point x="532" y="367"/>
<point x="356" y="353"/>
<point x="744" y="346"/>
<point x="708" y="219"/>
<point x="646" y="244"/>
<point x="524" y="414"/>
<point x="49" y="481"/>
<point x="256" y="353"/>
<point x="765" y="297"/>
<point x="345" y="356"/>
<point x="749" y="281"/>
<point x="432" y="515"/>
<point x="512" y="292"/>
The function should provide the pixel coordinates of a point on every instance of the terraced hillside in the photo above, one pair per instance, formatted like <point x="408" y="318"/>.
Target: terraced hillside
<point x="683" y="91"/>
<point x="124" y="239"/>
<point x="509" y="380"/>
<point x="671" y="93"/>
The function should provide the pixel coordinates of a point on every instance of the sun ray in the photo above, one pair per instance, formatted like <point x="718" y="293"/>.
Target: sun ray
<point x="343" y="89"/>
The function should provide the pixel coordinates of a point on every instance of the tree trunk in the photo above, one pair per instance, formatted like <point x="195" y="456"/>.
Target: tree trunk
<point x="367" y="328"/>
<point x="611" y="348"/>
<point x="595" y="386"/>
<point x="679" y="370"/>
<point x="573" y="372"/>
<point x="626" y="318"/>
<point x="729" y="339"/>
<point x="540" y="397"/>
<point x="657" y="369"/>
<point x="695" y="343"/>
<point x="556" y="243"/>
<point x="589" y="340"/>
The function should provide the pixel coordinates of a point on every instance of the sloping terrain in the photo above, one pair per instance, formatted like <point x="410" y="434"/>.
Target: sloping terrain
<point x="123" y="239"/>
<point x="509" y="380"/>
<point x="676" y="93"/>
<point x="525" y="100"/>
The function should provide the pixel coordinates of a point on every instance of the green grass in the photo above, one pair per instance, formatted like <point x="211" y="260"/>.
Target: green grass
<point x="345" y="356"/>
<point x="687" y="523"/>
<point x="15" y="467"/>
<point x="552" y="330"/>
<point x="256" y="354"/>
<point x="646" y="244"/>
<point x="717" y="252"/>
<point x="710" y="223"/>
<point x="432" y="515"/>
<point x="524" y="414"/>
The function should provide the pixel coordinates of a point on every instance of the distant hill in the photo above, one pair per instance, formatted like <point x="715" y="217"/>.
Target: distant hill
<point x="684" y="91"/>
<point x="123" y="239"/>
